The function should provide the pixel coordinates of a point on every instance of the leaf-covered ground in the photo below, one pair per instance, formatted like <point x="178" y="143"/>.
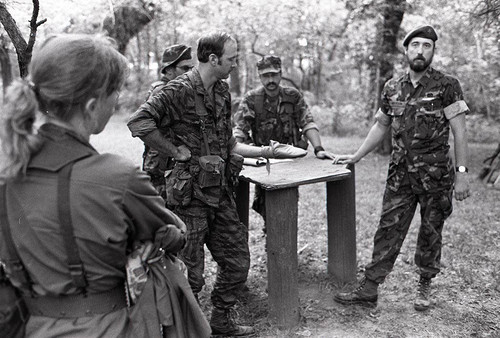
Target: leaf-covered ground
<point x="466" y="294"/>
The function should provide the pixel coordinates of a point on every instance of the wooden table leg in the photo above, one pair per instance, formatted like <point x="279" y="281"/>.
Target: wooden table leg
<point x="243" y="200"/>
<point x="341" y="214"/>
<point x="281" y="223"/>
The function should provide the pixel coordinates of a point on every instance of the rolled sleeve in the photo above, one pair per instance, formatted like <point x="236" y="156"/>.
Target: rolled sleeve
<point x="456" y="108"/>
<point x="152" y="114"/>
<point x="141" y="123"/>
<point x="383" y="118"/>
<point x="310" y="125"/>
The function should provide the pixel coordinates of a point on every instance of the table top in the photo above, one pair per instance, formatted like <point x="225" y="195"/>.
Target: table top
<point x="289" y="173"/>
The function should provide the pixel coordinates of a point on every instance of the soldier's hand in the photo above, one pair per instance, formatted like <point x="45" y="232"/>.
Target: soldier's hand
<point x="323" y="154"/>
<point x="461" y="186"/>
<point x="183" y="154"/>
<point x="344" y="159"/>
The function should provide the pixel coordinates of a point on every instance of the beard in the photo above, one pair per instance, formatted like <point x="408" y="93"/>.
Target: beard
<point x="419" y="63"/>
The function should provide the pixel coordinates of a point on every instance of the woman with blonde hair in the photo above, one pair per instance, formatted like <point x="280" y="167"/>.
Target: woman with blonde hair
<point x="72" y="214"/>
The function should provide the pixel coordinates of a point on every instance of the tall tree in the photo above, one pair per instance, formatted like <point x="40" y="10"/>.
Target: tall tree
<point x="24" y="49"/>
<point x="392" y="12"/>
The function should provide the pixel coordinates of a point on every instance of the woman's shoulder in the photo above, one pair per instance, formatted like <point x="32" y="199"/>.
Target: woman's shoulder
<point x="106" y="169"/>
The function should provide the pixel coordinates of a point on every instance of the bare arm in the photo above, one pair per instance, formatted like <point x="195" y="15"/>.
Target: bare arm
<point x="313" y="137"/>
<point x="374" y="137"/>
<point x="461" y="153"/>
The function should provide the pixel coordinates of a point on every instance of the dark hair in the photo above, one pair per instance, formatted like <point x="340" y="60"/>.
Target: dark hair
<point x="212" y="44"/>
<point x="66" y="71"/>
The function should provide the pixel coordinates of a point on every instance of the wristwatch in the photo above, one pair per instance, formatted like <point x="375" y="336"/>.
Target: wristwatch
<point x="462" y="169"/>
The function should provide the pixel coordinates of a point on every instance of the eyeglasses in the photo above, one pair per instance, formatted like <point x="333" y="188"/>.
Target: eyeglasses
<point x="185" y="68"/>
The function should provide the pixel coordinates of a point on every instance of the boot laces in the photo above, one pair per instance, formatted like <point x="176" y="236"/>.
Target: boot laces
<point x="424" y="287"/>
<point x="361" y="285"/>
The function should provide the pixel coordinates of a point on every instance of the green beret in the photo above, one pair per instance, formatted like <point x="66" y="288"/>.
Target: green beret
<point x="421" y="32"/>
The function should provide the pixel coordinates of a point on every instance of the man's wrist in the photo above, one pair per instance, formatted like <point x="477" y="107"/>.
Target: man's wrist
<point x="317" y="149"/>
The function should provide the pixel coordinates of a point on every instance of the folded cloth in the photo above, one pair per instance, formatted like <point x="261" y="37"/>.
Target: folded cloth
<point x="279" y="150"/>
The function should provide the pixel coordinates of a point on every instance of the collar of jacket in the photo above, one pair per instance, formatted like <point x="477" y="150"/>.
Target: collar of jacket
<point x="60" y="147"/>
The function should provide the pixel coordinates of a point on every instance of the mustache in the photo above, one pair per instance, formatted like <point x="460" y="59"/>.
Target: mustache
<point x="271" y="83"/>
<point x="420" y="57"/>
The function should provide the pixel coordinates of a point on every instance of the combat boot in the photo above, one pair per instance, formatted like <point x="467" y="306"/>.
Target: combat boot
<point x="422" y="301"/>
<point x="223" y="324"/>
<point x="366" y="294"/>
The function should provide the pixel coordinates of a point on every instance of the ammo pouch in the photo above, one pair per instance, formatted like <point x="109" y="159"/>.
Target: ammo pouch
<point x="178" y="185"/>
<point x="212" y="169"/>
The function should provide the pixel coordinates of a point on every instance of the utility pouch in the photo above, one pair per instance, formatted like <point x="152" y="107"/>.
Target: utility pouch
<point x="178" y="185"/>
<point x="212" y="167"/>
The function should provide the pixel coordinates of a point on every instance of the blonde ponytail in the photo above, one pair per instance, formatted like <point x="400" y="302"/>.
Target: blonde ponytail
<point x="17" y="130"/>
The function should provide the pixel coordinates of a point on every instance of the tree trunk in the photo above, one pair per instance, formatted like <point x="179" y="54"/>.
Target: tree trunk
<point x="392" y="12"/>
<point x="23" y="49"/>
<point x="126" y="23"/>
<point x="5" y="64"/>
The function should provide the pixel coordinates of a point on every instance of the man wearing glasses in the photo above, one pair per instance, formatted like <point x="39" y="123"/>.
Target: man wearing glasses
<point x="176" y="60"/>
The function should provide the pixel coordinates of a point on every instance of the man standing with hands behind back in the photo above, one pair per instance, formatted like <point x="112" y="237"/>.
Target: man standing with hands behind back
<point x="420" y="108"/>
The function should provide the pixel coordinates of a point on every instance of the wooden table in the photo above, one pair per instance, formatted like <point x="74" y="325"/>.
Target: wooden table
<point x="281" y="191"/>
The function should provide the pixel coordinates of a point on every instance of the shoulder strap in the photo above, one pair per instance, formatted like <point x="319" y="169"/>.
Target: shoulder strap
<point x="14" y="265"/>
<point x="75" y="264"/>
<point x="201" y="110"/>
<point x="258" y="107"/>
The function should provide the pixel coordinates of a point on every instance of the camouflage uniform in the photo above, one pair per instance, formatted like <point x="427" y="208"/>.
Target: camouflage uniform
<point x="259" y="119"/>
<point x="420" y="170"/>
<point x="153" y="163"/>
<point x="209" y="210"/>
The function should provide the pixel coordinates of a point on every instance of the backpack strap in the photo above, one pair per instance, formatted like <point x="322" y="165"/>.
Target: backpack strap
<point x="13" y="265"/>
<point x="201" y="111"/>
<point x="75" y="263"/>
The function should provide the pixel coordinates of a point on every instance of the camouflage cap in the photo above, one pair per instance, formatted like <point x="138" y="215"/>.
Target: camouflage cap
<point x="173" y="54"/>
<point x="269" y="64"/>
<point x="421" y="32"/>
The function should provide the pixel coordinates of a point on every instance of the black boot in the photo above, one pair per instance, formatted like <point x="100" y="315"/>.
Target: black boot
<point x="223" y="324"/>
<point x="422" y="301"/>
<point x="366" y="294"/>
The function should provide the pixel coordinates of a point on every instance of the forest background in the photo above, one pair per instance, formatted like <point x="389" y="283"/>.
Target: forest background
<point x="337" y="52"/>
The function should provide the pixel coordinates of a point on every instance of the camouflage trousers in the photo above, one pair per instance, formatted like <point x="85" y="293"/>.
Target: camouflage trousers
<point x="227" y="239"/>
<point x="397" y="213"/>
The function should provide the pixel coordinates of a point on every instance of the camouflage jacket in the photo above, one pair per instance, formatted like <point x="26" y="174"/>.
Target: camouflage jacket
<point x="419" y="118"/>
<point x="284" y="121"/>
<point x="173" y="111"/>
<point x="153" y="163"/>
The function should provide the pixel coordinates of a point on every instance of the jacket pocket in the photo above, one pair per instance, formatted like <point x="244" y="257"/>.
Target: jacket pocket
<point x="179" y="185"/>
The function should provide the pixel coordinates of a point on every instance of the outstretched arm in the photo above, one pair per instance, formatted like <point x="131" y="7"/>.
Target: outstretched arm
<point x="374" y="137"/>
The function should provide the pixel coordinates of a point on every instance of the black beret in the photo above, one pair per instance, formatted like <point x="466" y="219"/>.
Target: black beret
<point x="421" y="32"/>
<point x="175" y="54"/>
